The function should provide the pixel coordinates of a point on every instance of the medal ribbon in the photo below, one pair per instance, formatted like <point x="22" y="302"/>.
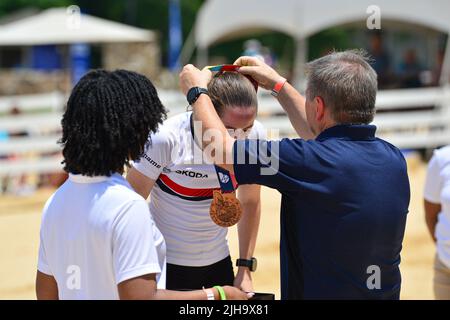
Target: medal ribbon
<point x="225" y="180"/>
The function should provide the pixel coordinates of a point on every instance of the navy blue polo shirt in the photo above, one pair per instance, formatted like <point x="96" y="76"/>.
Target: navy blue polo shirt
<point x="345" y="198"/>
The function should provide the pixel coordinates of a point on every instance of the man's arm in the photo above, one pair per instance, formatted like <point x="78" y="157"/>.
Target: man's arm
<point x="249" y="196"/>
<point x="46" y="287"/>
<point x="289" y="98"/>
<point x="140" y="183"/>
<point x="294" y="105"/>
<point x="432" y="211"/>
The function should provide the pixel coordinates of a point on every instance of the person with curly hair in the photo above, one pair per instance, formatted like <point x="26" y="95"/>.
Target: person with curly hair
<point x="98" y="238"/>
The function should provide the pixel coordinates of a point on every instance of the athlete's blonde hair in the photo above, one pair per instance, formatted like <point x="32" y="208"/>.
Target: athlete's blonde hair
<point x="232" y="89"/>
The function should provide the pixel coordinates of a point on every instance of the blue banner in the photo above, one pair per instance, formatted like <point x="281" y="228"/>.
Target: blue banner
<point x="80" y="57"/>
<point x="175" y="35"/>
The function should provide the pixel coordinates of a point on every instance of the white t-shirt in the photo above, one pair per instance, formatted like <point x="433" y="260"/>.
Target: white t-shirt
<point x="181" y="197"/>
<point x="96" y="233"/>
<point x="437" y="190"/>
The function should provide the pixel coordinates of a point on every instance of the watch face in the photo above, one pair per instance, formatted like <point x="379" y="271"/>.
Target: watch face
<point x="254" y="264"/>
<point x="192" y="94"/>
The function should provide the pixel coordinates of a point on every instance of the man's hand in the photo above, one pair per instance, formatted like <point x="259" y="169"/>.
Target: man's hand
<point x="243" y="280"/>
<point x="191" y="77"/>
<point x="290" y="99"/>
<point x="266" y="77"/>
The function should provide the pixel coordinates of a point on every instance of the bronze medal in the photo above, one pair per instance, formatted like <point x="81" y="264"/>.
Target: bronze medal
<point x="225" y="209"/>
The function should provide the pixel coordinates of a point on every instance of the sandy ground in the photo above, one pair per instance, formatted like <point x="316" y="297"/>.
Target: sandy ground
<point x="19" y="240"/>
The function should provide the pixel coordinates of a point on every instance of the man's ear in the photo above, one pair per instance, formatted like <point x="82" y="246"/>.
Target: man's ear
<point x="320" y="108"/>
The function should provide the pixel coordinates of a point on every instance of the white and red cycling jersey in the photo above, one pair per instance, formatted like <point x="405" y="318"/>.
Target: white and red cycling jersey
<point x="181" y="197"/>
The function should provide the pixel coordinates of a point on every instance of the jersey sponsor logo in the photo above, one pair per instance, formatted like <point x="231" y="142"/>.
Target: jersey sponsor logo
<point x="151" y="161"/>
<point x="192" y="174"/>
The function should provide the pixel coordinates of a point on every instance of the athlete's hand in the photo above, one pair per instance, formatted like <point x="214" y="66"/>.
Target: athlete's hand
<point x="233" y="293"/>
<point x="191" y="77"/>
<point x="243" y="280"/>
<point x="266" y="77"/>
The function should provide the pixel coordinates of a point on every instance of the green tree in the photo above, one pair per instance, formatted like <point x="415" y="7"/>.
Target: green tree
<point x="9" y="6"/>
<point x="148" y="14"/>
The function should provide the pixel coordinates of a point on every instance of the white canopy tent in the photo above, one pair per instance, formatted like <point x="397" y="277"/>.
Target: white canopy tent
<point x="220" y="20"/>
<point x="53" y="26"/>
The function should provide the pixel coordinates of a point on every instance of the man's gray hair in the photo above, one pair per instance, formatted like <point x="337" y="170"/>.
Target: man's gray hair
<point x="347" y="84"/>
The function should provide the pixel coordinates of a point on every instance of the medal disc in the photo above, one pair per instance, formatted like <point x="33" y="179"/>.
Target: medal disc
<point x="225" y="210"/>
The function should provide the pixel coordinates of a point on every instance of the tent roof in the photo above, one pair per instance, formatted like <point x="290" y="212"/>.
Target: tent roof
<point x="51" y="27"/>
<point x="219" y="20"/>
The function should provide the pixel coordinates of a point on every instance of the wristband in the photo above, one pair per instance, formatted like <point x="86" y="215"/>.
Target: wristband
<point x="209" y="294"/>
<point x="278" y="87"/>
<point x="222" y="294"/>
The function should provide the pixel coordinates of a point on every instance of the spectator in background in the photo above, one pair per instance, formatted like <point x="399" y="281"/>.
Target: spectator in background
<point x="381" y="61"/>
<point x="269" y="56"/>
<point x="253" y="48"/>
<point x="437" y="215"/>
<point x="410" y="70"/>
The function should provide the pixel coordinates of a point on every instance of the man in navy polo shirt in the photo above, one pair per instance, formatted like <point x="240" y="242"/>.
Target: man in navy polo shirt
<point x="345" y="192"/>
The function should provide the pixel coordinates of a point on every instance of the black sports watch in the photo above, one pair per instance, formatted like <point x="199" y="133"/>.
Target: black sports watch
<point x="251" y="264"/>
<point x="194" y="94"/>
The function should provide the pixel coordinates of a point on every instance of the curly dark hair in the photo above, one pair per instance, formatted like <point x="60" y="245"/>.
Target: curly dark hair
<point x="108" y="120"/>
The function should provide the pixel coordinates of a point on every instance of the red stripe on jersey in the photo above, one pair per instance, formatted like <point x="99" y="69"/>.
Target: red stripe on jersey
<point x="189" y="192"/>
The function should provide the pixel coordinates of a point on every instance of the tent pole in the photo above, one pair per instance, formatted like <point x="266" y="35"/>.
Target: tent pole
<point x="202" y="57"/>
<point x="188" y="48"/>
<point x="445" y="72"/>
<point x="301" y="57"/>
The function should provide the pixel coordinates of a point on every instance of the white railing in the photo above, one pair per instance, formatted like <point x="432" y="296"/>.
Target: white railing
<point x="26" y="103"/>
<point x="36" y="151"/>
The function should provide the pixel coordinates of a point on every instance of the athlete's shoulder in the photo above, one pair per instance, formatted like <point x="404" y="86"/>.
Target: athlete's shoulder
<point x="178" y="121"/>
<point x="171" y="129"/>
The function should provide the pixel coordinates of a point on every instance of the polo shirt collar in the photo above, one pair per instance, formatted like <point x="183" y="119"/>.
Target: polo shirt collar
<point x="349" y="131"/>
<point x="78" y="178"/>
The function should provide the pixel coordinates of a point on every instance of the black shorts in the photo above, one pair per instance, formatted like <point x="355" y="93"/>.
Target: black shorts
<point x="193" y="278"/>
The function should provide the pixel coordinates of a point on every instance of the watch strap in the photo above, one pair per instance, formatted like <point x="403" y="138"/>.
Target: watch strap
<point x="195" y="93"/>
<point x="250" y="264"/>
<point x="244" y="263"/>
